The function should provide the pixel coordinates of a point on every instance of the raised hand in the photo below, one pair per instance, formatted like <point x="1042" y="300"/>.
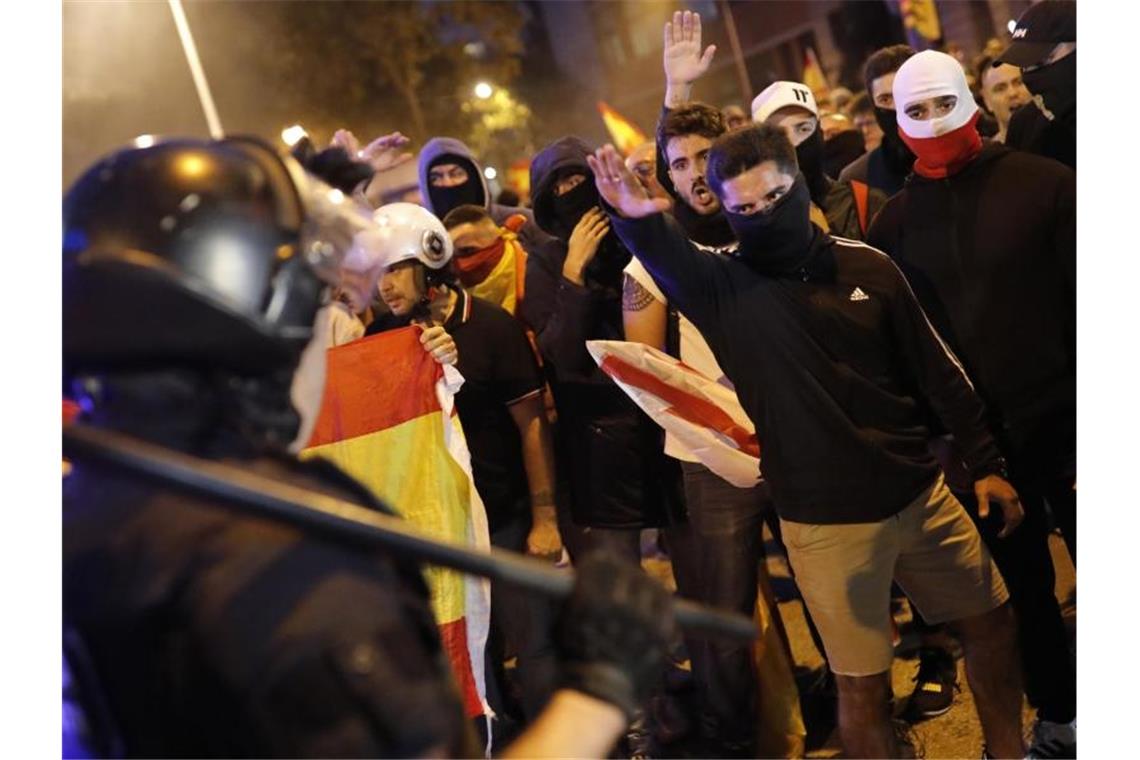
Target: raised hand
<point x="684" y="61"/>
<point x="619" y="187"/>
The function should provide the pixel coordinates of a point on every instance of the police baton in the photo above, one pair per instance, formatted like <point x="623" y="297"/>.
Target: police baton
<point x="354" y="523"/>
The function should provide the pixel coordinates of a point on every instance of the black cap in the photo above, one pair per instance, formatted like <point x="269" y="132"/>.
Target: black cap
<point x="1038" y="31"/>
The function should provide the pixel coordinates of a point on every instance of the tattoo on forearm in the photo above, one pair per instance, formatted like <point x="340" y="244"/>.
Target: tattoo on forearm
<point x="634" y="296"/>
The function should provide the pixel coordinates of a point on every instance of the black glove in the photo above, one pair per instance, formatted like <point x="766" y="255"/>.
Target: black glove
<point x="614" y="631"/>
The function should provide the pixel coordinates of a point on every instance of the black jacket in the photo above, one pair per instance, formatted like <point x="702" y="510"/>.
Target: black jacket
<point x="209" y="633"/>
<point x="1030" y="130"/>
<point x="833" y="365"/>
<point x="991" y="254"/>
<point x="612" y="454"/>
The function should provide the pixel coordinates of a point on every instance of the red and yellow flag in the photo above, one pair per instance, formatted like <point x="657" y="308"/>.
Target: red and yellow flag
<point x="387" y="419"/>
<point x="625" y="134"/>
<point x="814" y="77"/>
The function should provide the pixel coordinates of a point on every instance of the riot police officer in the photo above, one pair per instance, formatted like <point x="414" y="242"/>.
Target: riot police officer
<point x="192" y="273"/>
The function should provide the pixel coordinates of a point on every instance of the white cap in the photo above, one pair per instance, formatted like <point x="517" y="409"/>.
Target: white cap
<point x="403" y="231"/>
<point x="931" y="74"/>
<point x="780" y="95"/>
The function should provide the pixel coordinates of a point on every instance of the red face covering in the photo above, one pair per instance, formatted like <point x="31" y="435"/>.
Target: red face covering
<point x="946" y="154"/>
<point x="475" y="267"/>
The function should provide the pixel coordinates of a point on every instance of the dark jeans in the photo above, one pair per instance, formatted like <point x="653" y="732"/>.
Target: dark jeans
<point x="727" y="537"/>
<point x="520" y="625"/>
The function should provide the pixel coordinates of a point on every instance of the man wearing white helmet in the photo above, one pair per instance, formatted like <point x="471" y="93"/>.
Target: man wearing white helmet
<point x="987" y="237"/>
<point x="844" y="209"/>
<point x="500" y="407"/>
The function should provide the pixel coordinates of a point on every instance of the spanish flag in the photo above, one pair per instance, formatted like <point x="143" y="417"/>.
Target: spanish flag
<point x="387" y="418"/>
<point x="922" y="17"/>
<point x="625" y="135"/>
<point x="814" y="77"/>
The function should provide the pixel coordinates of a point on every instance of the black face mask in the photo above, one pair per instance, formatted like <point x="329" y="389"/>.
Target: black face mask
<point x="780" y="240"/>
<point x="896" y="154"/>
<point x="568" y="209"/>
<point x="572" y="205"/>
<point x="809" y="155"/>
<point x="444" y="199"/>
<point x="1056" y="84"/>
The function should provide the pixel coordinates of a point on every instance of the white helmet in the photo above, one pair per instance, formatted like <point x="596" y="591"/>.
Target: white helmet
<point x="404" y="231"/>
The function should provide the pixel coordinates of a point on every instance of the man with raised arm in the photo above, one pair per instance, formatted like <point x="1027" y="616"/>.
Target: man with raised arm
<point x="836" y="365"/>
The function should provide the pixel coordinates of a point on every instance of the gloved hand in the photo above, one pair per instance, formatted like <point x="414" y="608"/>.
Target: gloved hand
<point x="614" y="631"/>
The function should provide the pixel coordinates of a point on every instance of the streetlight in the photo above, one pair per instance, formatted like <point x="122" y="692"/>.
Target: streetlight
<point x="293" y="135"/>
<point x="490" y="172"/>
<point x="483" y="90"/>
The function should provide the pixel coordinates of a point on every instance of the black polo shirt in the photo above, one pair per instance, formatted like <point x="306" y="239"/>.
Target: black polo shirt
<point x="499" y="369"/>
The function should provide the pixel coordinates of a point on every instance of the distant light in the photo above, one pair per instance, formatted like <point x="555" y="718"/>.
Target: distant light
<point x="483" y="90"/>
<point x="191" y="165"/>
<point x="490" y="172"/>
<point x="475" y="49"/>
<point x="293" y="135"/>
<point x="144" y="141"/>
<point x="1011" y="25"/>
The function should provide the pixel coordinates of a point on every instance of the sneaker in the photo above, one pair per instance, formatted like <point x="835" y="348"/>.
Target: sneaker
<point x="935" y="684"/>
<point x="1052" y="740"/>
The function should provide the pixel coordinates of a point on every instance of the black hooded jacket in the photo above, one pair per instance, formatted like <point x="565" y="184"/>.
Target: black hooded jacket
<point x="613" y="452"/>
<point x="991" y="254"/>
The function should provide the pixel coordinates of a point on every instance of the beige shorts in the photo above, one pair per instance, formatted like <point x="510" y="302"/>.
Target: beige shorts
<point x="844" y="572"/>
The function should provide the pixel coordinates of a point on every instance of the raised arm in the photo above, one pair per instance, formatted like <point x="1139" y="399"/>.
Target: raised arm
<point x="684" y="61"/>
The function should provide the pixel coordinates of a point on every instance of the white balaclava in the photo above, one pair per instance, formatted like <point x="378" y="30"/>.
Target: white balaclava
<point x="931" y="74"/>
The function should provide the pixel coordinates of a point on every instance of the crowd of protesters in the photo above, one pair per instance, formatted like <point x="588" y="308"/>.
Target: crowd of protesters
<point x="885" y="279"/>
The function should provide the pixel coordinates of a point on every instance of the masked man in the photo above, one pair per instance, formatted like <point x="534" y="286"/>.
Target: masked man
<point x="887" y="166"/>
<point x="836" y="365"/>
<point x="489" y="260"/>
<point x="987" y="237"/>
<point x="1044" y="47"/>
<point x="845" y="209"/>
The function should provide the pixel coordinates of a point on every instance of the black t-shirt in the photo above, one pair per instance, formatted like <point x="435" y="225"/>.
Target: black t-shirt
<point x="499" y="369"/>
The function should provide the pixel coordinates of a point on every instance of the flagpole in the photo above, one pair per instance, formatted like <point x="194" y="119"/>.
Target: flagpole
<point x="196" y="70"/>
<point x="349" y="522"/>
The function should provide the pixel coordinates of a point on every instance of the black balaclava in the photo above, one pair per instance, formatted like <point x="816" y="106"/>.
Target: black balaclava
<point x="569" y="207"/>
<point x="778" y="241"/>
<point x="444" y="199"/>
<point x="1057" y="85"/>
<point x="608" y="263"/>
<point x="896" y="154"/>
<point x="809" y="155"/>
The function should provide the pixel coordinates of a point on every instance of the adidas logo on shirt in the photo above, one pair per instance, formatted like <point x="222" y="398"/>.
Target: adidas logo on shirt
<point x="858" y="295"/>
